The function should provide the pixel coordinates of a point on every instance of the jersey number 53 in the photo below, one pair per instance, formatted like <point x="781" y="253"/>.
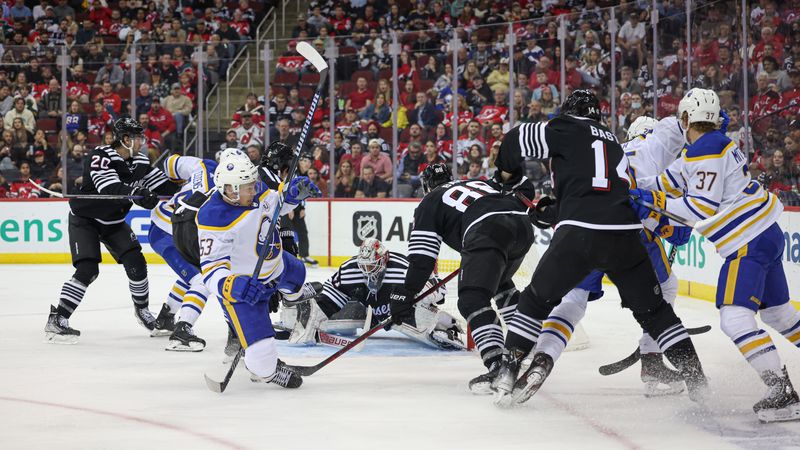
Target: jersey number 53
<point x="461" y="196"/>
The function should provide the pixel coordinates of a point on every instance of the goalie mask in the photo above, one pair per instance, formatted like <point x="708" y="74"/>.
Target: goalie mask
<point x="372" y="260"/>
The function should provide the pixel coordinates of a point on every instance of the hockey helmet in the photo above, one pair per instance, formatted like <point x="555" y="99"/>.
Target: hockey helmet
<point x="435" y="175"/>
<point x="700" y="105"/>
<point x="234" y="170"/>
<point x="127" y="127"/>
<point x="279" y="157"/>
<point x="372" y="260"/>
<point x="582" y="103"/>
<point x="640" y="126"/>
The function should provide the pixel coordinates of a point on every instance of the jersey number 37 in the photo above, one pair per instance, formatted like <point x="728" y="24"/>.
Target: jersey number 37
<point x="461" y="196"/>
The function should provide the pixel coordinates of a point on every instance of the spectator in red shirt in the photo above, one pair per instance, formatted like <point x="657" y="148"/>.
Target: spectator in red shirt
<point x="361" y="97"/>
<point x="22" y="187"/>
<point x="100" y="120"/>
<point x="765" y="101"/>
<point x="162" y="121"/>
<point x="152" y="138"/>
<point x="707" y="51"/>
<point x="768" y="38"/>
<point x="111" y="101"/>
<point x="574" y="78"/>
<point x="341" y="24"/>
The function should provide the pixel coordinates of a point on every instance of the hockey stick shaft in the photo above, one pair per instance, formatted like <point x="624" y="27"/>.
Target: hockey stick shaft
<point x="310" y="370"/>
<point x="664" y="213"/>
<point x="619" y="366"/>
<point x="219" y="386"/>
<point x="90" y="196"/>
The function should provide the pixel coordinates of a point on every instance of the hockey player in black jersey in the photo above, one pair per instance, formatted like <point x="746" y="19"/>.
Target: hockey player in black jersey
<point x="369" y="279"/>
<point x="116" y="169"/>
<point x="596" y="229"/>
<point x="492" y="231"/>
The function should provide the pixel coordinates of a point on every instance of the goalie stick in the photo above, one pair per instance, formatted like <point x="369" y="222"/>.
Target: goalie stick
<point x="311" y="370"/>
<point x="308" y="52"/>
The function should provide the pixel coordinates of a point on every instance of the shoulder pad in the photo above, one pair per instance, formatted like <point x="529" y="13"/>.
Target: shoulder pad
<point x="217" y="215"/>
<point x="710" y="145"/>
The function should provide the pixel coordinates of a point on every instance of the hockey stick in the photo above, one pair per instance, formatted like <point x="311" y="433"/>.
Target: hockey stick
<point x="310" y="370"/>
<point x="619" y="366"/>
<point x="307" y="51"/>
<point x="664" y="213"/>
<point x="90" y="196"/>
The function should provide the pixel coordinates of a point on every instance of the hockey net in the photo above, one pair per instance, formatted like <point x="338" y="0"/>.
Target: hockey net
<point x="450" y="260"/>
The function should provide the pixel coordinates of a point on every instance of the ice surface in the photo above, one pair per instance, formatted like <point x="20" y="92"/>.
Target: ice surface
<point x="118" y="388"/>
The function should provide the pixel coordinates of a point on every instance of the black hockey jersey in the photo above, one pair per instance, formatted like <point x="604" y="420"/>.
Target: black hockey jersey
<point x="349" y="283"/>
<point x="589" y="170"/>
<point x="105" y="172"/>
<point x="445" y="215"/>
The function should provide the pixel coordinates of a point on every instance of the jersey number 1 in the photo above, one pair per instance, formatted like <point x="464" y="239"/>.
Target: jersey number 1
<point x="600" y="180"/>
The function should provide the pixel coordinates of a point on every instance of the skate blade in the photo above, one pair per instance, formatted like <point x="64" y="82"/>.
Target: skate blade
<point x="180" y="347"/>
<point x="504" y="400"/>
<point x="534" y="381"/>
<point x="790" y="413"/>
<point x="653" y="389"/>
<point x="482" y="388"/>
<point x="53" y="338"/>
<point x="160" y="333"/>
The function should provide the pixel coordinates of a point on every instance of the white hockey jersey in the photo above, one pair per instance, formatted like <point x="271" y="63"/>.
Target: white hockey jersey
<point x="651" y="153"/>
<point x="230" y="238"/>
<point x="196" y="175"/>
<point x="716" y="191"/>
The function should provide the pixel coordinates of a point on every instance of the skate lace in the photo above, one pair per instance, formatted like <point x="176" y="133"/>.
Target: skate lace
<point x="282" y="376"/>
<point x="63" y="322"/>
<point x="188" y="330"/>
<point x="146" y="315"/>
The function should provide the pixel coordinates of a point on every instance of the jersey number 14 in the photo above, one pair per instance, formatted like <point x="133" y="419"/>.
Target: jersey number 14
<point x="600" y="181"/>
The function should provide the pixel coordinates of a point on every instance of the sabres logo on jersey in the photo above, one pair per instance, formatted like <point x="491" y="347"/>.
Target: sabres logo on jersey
<point x="274" y="242"/>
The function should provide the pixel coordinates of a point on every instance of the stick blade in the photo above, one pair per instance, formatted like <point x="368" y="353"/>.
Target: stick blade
<point x="303" y="370"/>
<point x="214" y="386"/>
<point x="308" y="52"/>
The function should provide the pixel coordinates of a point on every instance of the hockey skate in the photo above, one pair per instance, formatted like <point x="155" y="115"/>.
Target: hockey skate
<point x="283" y="377"/>
<point x="183" y="339"/>
<point x="482" y="384"/>
<point x="503" y="383"/>
<point x="655" y="375"/>
<point x="165" y="323"/>
<point x="145" y="317"/>
<point x="57" y="330"/>
<point x="533" y="378"/>
<point x="781" y="402"/>
<point x="310" y="261"/>
<point x="232" y="346"/>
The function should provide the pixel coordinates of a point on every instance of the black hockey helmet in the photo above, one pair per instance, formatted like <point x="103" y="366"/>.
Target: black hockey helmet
<point x="127" y="127"/>
<point x="435" y="175"/>
<point x="278" y="157"/>
<point x="582" y="103"/>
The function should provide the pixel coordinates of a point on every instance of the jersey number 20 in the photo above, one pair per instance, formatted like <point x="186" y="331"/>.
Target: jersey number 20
<point x="600" y="180"/>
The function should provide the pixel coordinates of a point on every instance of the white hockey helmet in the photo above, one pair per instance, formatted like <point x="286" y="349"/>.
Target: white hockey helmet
<point x="640" y="126"/>
<point x="372" y="260"/>
<point x="234" y="170"/>
<point x="701" y="105"/>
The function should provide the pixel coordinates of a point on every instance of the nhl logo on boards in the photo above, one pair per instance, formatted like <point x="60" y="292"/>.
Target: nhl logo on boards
<point x="366" y="224"/>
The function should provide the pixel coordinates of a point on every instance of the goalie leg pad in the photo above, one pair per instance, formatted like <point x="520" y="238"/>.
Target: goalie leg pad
<point x="306" y="326"/>
<point x="435" y="328"/>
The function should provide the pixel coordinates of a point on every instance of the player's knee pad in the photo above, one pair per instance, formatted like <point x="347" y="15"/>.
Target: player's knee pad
<point x="573" y="306"/>
<point x="86" y="271"/>
<point x="473" y="301"/>
<point x="781" y="317"/>
<point x="736" y="321"/>
<point x="669" y="289"/>
<point x="135" y="265"/>
<point x="261" y="357"/>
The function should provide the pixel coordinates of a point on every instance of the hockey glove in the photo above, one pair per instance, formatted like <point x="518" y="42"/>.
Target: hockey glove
<point x="301" y="188"/>
<point x="545" y="214"/>
<point x="400" y="305"/>
<point x="275" y="301"/>
<point x="656" y="198"/>
<point x="288" y="242"/>
<point x="724" y="121"/>
<point x="242" y="288"/>
<point x="147" y="199"/>
<point x="675" y="235"/>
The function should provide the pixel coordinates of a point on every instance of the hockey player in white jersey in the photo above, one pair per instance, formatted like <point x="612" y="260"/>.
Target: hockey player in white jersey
<point x="188" y="295"/>
<point x="740" y="218"/>
<point x="232" y="227"/>
<point x="650" y="148"/>
<point x="368" y="278"/>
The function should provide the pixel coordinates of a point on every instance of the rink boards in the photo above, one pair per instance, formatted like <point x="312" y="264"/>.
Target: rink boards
<point x="36" y="232"/>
